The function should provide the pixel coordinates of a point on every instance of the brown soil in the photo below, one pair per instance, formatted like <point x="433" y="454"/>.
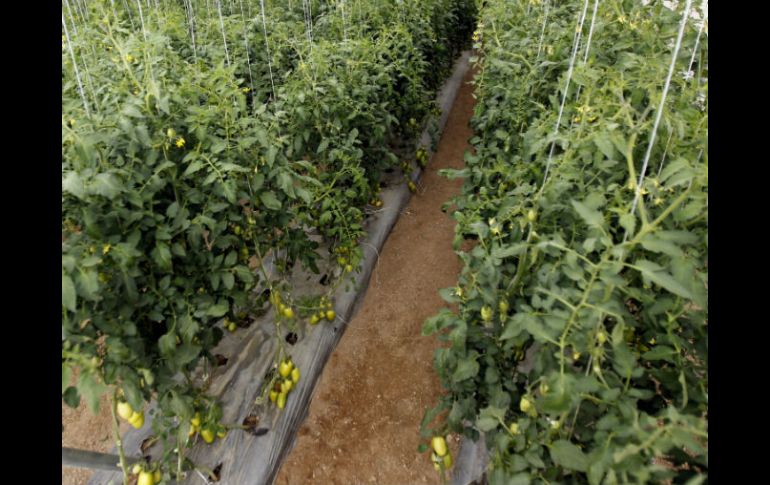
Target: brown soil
<point x="363" y="423"/>
<point x="86" y="431"/>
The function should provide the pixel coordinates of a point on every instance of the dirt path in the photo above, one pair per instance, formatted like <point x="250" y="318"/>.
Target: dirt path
<point x="363" y="422"/>
<point x="86" y="431"/>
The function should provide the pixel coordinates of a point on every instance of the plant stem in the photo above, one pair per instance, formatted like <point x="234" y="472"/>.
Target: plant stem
<point x="118" y="439"/>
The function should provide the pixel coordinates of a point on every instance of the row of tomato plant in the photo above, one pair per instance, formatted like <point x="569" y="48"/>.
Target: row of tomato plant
<point x="201" y="140"/>
<point x="578" y="339"/>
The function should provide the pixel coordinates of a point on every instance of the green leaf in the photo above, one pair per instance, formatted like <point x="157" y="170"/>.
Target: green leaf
<point x="660" y="277"/>
<point x="286" y="183"/>
<point x="71" y="397"/>
<point x="68" y="294"/>
<point x="185" y="354"/>
<point x="466" y="368"/>
<point x="567" y="455"/>
<point x="73" y="184"/>
<point x="66" y="376"/>
<point x="660" y="352"/>
<point x="652" y="243"/>
<point x="604" y="143"/>
<point x="271" y="202"/>
<point x="162" y="256"/>
<point x="88" y="284"/>
<point x="218" y="310"/>
<point x="591" y="217"/>
<point x="228" y="280"/>
<point x="490" y="418"/>
<point x="107" y="185"/>
<point x="628" y="222"/>
<point x="506" y="252"/>
<point x="91" y="389"/>
<point x="167" y="344"/>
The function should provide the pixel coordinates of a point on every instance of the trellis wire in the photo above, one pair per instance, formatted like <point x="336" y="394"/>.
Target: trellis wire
<point x="141" y="19"/>
<point x="661" y="105"/>
<point x="665" y="151"/>
<point x="88" y="81"/>
<point x="191" y="22"/>
<point x="267" y="47"/>
<point x="590" y="33"/>
<point x="697" y="42"/>
<point x="246" y="44"/>
<point x="75" y="66"/>
<point x="588" y="46"/>
<point x="72" y="20"/>
<point x="222" y="27"/>
<point x="130" y="16"/>
<point x="542" y="31"/>
<point x="575" y="47"/>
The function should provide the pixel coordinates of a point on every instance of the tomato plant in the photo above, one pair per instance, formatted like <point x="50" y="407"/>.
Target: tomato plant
<point x="580" y="343"/>
<point x="202" y="141"/>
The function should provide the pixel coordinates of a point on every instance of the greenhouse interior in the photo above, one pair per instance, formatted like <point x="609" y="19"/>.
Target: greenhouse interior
<point x="386" y="242"/>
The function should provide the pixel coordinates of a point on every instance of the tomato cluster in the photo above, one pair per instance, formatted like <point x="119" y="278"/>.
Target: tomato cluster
<point x="282" y="387"/>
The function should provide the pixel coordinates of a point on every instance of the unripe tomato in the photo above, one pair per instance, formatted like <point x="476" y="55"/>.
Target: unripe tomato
<point x="157" y="476"/>
<point x="348" y="268"/>
<point x="288" y="313"/>
<point x="295" y="375"/>
<point x="525" y="405"/>
<point x="196" y="420"/>
<point x="486" y="313"/>
<point x="503" y="307"/>
<point x="286" y="386"/>
<point x="136" y="469"/>
<point x="439" y="445"/>
<point x="281" y="402"/>
<point x="124" y="410"/>
<point x="285" y="368"/>
<point x="273" y="396"/>
<point x="313" y="319"/>
<point x="221" y="433"/>
<point x="330" y="315"/>
<point x="514" y="427"/>
<point x="601" y="337"/>
<point x="145" y="478"/>
<point x="531" y="216"/>
<point x="136" y="420"/>
<point x="448" y="461"/>
<point x="207" y="435"/>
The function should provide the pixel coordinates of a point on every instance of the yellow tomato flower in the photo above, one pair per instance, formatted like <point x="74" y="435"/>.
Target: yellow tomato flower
<point x="106" y="248"/>
<point x="129" y="58"/>
<point x="180" y="142"/>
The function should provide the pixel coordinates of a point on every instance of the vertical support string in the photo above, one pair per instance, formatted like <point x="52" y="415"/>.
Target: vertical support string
<point x="130" y="16"/>
<point x="697" y="42"/>
<point x="542" y="31"/>
<point x="246" y="45"/>
<point x="75" y="66"/>
<point x="191" y="23"/>
<point x="222" y="27"/>
<point x="575" y="47"/>
<point x="141" y="19"/>
<point x="661" y="106"/>
<point x="267" y="47"/>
